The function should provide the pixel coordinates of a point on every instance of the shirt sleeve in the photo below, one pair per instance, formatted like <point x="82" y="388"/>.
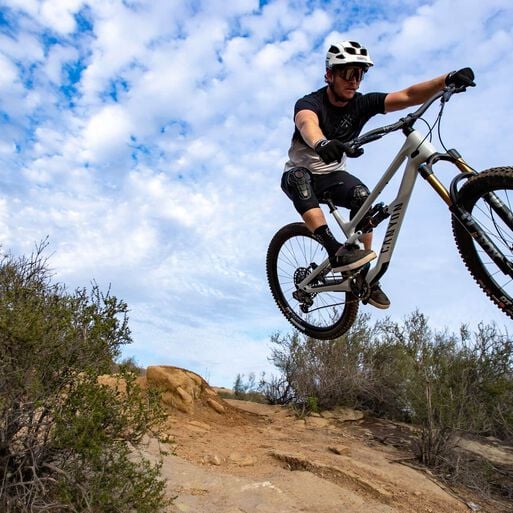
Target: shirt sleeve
<point x="374" y="103"/>
<point x="309" y="102"/>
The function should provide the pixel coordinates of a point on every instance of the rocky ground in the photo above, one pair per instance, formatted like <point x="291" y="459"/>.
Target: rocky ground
<point x="228" y="456"/>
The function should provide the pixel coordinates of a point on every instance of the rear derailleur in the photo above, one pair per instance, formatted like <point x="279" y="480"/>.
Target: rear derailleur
<point x="304" y="298"/>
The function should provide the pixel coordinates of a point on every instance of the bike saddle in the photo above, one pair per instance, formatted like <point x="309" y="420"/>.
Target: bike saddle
<point x="326" y="195"/>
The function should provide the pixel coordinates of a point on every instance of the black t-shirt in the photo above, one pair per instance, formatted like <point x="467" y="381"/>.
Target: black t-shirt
<point x="343" y="123"/>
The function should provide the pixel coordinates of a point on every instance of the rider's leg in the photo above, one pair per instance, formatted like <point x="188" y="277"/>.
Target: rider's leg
<point x="297" y="184"/>
<point x="341" y="187"/>
<point x="314" y="218"/>
<point x="366" y="239"/>
<point x="348" y="191"/>
<point x="358" y="196"/>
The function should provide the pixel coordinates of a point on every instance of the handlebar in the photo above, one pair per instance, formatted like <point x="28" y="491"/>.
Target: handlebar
<point x="406" y="122"/>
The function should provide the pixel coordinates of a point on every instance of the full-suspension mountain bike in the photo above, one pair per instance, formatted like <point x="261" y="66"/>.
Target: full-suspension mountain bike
<point x="324" y="304"/>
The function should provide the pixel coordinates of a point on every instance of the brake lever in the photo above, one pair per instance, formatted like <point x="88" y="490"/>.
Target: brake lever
<point x="450" y="90"/>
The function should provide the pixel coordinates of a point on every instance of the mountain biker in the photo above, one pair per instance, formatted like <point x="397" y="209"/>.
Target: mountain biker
<point x="324" y="120"/>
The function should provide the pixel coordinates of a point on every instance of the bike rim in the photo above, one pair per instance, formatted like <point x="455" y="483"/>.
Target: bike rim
<point x="295" y="258"/>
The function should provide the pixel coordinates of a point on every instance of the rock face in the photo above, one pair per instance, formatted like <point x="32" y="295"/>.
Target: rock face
<point x="183" y="389"/>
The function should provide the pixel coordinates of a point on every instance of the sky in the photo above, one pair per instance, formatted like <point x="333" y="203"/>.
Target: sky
<point x="146" y="140"/>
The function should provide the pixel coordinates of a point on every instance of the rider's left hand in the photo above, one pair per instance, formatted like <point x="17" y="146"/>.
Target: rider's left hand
<point x="461" y="78"/>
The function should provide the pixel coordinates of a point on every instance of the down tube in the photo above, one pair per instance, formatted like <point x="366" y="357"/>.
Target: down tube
<point x="378" y="189"/>
<point x="397" y="210"/>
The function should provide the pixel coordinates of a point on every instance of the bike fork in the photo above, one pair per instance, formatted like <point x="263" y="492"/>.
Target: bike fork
<point x="463" y="217"/>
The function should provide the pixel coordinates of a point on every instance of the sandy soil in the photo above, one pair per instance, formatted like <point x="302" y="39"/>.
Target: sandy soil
<point x="263" y="459"/>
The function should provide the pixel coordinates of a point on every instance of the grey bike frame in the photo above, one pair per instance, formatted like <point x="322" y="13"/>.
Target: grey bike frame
<point x="415" y="150"/>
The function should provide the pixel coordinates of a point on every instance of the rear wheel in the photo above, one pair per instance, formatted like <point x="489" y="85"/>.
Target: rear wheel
<point x="293" y="254"/>
<point x="488" y="197"/>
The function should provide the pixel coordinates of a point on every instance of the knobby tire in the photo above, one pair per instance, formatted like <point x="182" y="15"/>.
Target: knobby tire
<point x="496" y="284"/>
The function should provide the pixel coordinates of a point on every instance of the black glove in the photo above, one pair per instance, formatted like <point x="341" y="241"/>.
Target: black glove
<point x="461" y="78"/>
<point x="333" y="150"/>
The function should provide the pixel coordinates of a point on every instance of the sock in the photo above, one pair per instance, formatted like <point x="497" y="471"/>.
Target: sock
<point x="323" y="233"/>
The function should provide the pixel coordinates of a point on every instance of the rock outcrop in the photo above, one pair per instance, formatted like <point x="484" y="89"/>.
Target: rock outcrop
<point x="183" y="390"/>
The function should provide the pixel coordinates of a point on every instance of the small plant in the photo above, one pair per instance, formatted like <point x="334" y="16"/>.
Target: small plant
<point x="312" y="404"/>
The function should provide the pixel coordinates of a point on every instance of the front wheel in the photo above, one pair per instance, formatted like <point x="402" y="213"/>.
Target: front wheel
<point x="488" y="198"/>
<point x="293" y="253"/>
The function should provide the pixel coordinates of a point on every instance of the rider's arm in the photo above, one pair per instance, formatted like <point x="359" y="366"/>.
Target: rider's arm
<point x="414" y="95"/>
<point x="307" y="123"/>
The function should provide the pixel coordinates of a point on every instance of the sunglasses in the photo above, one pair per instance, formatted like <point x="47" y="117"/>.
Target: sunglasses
<point x="351" y="73"/>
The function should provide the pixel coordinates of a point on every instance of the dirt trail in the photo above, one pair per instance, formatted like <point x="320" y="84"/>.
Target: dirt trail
<point x="243" y="457"/>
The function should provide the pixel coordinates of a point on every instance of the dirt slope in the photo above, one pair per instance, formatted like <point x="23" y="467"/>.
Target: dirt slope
<point x="240" y="457"/>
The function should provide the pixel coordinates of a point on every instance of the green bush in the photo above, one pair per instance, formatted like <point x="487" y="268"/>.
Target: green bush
<point x="67" y="441"/>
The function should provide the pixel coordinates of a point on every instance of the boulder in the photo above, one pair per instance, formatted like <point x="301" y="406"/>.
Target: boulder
<point x="182" y="389"/>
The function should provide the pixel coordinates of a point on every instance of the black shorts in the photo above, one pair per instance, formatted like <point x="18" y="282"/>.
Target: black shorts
<point x="306" y="189"/>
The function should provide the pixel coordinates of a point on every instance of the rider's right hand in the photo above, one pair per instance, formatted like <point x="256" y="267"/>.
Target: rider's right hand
<point x="333" y="150"/>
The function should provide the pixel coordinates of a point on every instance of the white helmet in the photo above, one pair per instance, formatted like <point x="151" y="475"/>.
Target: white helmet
<point x="347" y="52"/>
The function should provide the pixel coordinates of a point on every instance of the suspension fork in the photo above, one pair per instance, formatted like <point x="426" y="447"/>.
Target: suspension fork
<point x="464" y="218"/>
<point x="426" y="171"/>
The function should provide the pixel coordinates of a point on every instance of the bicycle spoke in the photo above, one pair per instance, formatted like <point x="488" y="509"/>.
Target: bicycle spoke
<point x="301" y="253"/>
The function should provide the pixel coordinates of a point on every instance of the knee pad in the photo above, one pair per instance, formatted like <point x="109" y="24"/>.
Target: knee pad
<point x="300" y="183"/>
<point x="358" y="195"/>
<point x="297" y="184"/>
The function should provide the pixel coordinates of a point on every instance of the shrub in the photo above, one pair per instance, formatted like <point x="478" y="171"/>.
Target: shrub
<point x="247" y="390"/>
<point x="329" y="370"/>
<point x="440" y="381"/>
<point x="67" y="442"/>
<point x="276" y="390"/>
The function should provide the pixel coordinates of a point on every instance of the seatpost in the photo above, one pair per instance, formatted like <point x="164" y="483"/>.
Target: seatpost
<point x="337" y="215"/>
<point x="332" y="205"/>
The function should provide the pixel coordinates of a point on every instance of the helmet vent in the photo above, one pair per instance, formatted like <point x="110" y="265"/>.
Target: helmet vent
<point x="333" y="49"/>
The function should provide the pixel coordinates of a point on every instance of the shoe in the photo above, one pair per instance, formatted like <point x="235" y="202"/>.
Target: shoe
<point x="349" y="258"/>
<point x="378" y="298"/>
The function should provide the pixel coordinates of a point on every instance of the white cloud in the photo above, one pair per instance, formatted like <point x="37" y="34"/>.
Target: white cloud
<point x="5" y="230"/>
<point x="58" y="14"/>
<point x="9" y="73"/>
<point x="107" y="134"/>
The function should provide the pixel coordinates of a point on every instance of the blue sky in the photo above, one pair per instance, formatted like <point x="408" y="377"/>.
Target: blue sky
<point x="147" y="139"/>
